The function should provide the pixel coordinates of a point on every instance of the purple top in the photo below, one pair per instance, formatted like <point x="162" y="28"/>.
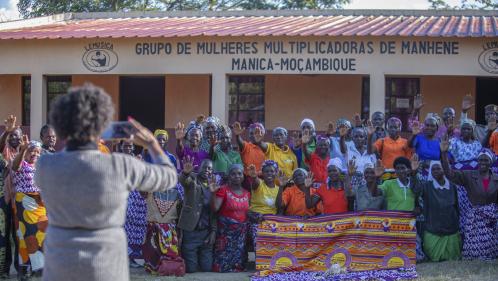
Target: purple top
<point x="197" y="155"/>
<point x="443" y="129"/>
<point x="23" y="179"/>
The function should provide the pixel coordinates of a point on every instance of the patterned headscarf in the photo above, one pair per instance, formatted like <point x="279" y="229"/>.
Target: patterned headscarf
<point x="468" y="121"/>
<point x="34" y="144"/>
<point x="323" y="138"/>
<point x="395" y="120"/>
<point x="271" y="163"/>
<point x="343" y="121"/>
<point x="161" y="132"/>
<point x="281" y="128"/>
<point x="433" y="116"/>
<point x="235" y="166"/>
<point x="335" y="162"/>
<point x="253" y="126"/>
<point x="224" y="130"/>
<point x="488" y="153"/>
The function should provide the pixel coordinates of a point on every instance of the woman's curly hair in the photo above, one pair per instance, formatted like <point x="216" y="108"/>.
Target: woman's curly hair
<point x="82" y="114"/>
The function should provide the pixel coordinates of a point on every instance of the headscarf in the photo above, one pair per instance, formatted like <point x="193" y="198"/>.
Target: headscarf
<point x="235" y="166"/>
<point x="297" y="170"/>
<point x="307" y="120"/>
<point x="342" y="121"/>
<point x="224" y="129"/>
<point x="488" y="153"/>
<point x="271" y="163"/>
<point x="436" y="184"/>
<point x="395" y="120"/>
<point x="335" y="162"/>
<point x="491" y="107"/>
<point x="281" y="128"/>
<point x="161" y="132"/>
<point x="257" y="125"/>
<point x="469" y="121"/>
<point x="34" y="144"/>
<point x="433" y="116"/>
<point x="323" y="138"/>
<point x="192" y="125"/>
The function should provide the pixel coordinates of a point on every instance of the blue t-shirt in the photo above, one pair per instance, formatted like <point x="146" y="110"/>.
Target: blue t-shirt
<point x="427" y="149"/>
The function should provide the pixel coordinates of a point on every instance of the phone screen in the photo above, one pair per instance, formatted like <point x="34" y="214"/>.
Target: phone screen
<point x="121" y="130"/>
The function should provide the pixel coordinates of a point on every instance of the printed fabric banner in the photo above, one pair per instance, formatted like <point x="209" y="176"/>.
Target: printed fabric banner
<point x="369" y="240"/>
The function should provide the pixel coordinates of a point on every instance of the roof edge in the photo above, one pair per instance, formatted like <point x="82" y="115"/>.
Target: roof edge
<point x="269" y="13"/>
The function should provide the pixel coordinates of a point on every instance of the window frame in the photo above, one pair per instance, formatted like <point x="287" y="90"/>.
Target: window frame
<point x="55" y="79"/>
<point x="238" y="80"/>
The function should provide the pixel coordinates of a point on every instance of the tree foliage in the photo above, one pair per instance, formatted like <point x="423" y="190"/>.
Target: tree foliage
<point x="465" y="4"/>
<point x="36" y="8"/>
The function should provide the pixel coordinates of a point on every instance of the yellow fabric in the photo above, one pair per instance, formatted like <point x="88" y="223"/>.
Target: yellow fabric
<point x="285" y="158"/>
<point x="161" y="132"/>
<point x="263" y="199"/>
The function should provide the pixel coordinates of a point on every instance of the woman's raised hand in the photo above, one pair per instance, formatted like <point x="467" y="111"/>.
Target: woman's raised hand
<point x="180" y="131"/>
<point x="352" y="167"/>
<point x="414" y="161"/>
<point x="213" y="186"/>
<point x="10" y="123"/>
<point x="282" y="178"/>
<point x="330" y="128"/>
<point x="416" y="128"/>
<point x="237" y="129"/>
<point x="306" y="138"/>
<point x="308" y="181"/>
<point x="444" y="145"/>
<point x="379" y="168"/>
<point x="141" y="135"/>
<point x="188" y="164"/>
<point x="251" y="171"/>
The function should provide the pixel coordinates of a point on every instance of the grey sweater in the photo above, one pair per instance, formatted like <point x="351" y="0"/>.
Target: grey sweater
<point x="85" y="193"/>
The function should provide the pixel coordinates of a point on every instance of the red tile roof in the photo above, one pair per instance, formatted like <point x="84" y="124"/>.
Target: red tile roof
<point x="259" y="23"/>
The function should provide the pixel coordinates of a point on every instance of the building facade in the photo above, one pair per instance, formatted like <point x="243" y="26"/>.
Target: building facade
<point x="275" y="67"/>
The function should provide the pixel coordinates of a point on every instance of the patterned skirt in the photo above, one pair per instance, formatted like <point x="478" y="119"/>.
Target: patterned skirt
<point x="161" y="246"/>
<point x="135" y="224"/>
<point x="230" y="247"/>
<point x="479" y="228"/>
<point x="31" y="224"/>
<point x="4" y="236"/>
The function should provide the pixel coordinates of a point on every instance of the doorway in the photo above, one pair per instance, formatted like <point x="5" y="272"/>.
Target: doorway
<point x="485" y="94"/>
<point x="143" y="99"/>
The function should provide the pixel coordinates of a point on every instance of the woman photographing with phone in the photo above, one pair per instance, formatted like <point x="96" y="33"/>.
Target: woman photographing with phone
<point x="85" y="191"/>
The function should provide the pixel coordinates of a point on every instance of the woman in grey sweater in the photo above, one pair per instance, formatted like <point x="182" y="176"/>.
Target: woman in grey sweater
<point x="85" y="191"/>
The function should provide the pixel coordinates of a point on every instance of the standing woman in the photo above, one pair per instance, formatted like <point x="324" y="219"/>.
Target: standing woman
<point x="278" y="151"/>
<point x="307" y="127"/>
<point x="194" y="136"/>
<point x="426" y="144"/>
<point x="225" y="156"/>
<point x="465" y="147"/>
<point x="85" y="191"/>
<point x="211" y="128"/>
<point x="479" y="207"/>
<point x="232" y="204"/>
<point x="393" y="145"/>
<point x="136" y="212"/>
<point x="30" y="215"/>
<point x="162" y="138"/>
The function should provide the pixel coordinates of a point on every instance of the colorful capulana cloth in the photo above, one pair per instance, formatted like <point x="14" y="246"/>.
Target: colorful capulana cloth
<point x="479" y="227"/>
<point x="368" y="240"/>
<point x="23" y="179"/>
<point x="230" y="247"/>
<point x="161" y="245"/>
<point x="31" y="223"/>
<point x="4" y="220"/>
<point x="135" y="224"/>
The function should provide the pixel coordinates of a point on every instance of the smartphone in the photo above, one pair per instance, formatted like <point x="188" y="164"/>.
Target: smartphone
<point x="121" y="130"/>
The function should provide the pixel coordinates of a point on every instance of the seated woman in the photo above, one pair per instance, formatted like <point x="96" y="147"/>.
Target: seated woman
<point x="225" y="156"/>
<point x="393" y="145"/>
<point x="367" y="194"/>
<point x="263" y="195"/>
<point x="441" y="236"/>
<point x="194" y="136"/>
<point x="295" y="200"/>
<point x="30" y="214"/>
<point x="479" y="209"/>
<point x="278" y="151"/>
<point x="334" y="192"/>
<point x="232" y="204"/>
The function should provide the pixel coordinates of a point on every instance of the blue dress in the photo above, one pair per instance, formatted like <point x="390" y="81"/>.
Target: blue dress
<point x="427" y="149"/>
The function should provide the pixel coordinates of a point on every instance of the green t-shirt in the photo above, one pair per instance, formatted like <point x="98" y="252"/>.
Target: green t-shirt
<point x="222" y="161"/>
<point x="398" y="198"/>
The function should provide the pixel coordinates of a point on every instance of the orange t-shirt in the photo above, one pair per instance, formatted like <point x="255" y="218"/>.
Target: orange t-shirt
<point x="294" y="200"/>
<point x="493" y="142"/>
<point x="318" y="167"/>
<point x="333" y="200"/>
<point x="390" y="149"/>
<point x="252" y="154"/>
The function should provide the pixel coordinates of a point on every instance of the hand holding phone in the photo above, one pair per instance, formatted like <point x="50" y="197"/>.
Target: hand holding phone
<point x="121" y="130"/>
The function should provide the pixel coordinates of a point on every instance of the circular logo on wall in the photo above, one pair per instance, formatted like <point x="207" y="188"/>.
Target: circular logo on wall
<point x="488" y="59"/>
<point x="100" y="57"/>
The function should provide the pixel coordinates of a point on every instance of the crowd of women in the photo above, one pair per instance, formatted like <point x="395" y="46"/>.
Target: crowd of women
<point x="445" y="173"/>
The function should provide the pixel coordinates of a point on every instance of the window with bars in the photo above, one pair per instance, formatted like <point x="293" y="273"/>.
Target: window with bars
<point x="56" y="86"/>
<point x="246" y="99"/>
<point x="26" y="100"/>
<point x="400" y="92"/>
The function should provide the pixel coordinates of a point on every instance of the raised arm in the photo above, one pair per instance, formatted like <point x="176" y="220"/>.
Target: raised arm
<point x="254" y="176"/>
<point x="180" y="135"/>
<point x="415" y="132"/>
<point x="418" y="103"/>
<point x="370" y="131"/>
<point x="213" y="141"/>
<point x="467" y="104"/>
<point x="343" y="131"/>
<point x="258" y="137"/>
<point x="16" y="164"/>
<point x="185" y="177"/>
<point x="282" y="183"/>
<point x="10" y="126"/>
<point x="237" y="132"/>
<point x="309" y="200"/>
<point x="454" y="176"/>
<point x="305" y="139"/>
